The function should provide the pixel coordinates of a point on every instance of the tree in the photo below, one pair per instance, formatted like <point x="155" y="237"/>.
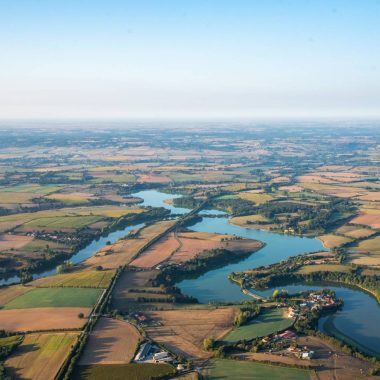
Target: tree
<point x="275" y="293"/>
<point x="80" y="315"/>
<point x="208" y="343"/>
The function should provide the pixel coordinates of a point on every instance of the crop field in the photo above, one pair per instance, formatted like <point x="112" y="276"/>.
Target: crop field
<point x="355" y="231"/>
<point x="367" y="252"/>
<point x="111" y="342"/>
<point x="122" y="298"/>
<point x="13" y="241"/>
<point x="83" y="279"/>
<point x="40" y="355"/>
<point x="183" y="331"/>
<point x="66" y="222"/>
<point x="8" y="293"/>
<point x="45" y="218"/>
<point x="243" y="220"/>
<point x="32" y="188"/>
<point x="332" y="241"/>
<point x="158" y="252"/>
<point x="246" y="370"/>
<point x="55" y="297"/>
<point x="267" y="322"/>
<point x="125" y="250"/>
<point x="46" y="318"/>
<point x="324" y="268"/>
<point x="71" y="198"/>
<point x="192" y="243"/>
<point x="145" y="371"/>
<point x="257" y="198"/>
<point x="368" y="217"/>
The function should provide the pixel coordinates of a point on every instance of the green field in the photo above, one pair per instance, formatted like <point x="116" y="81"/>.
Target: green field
<point x="122" y="371"/>
<point x="86" y="279"/>
<point x="32" y="188"/>
<point x="55" y="297"/>
<point x="63" y="222"/>
<point x="231" y="369"/>
<point x="267" y="322"/>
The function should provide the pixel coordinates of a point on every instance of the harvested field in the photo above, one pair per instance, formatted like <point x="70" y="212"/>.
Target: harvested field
<point x="121" y="296"/>
<point x="371" y="197"/>
<point x="291" y="189"/>
<point x="367" y="252"/>
<point x="368" y="217"/>
<point x="40" y="355"/>
<point x="249" y="220"/>
<point x="254" y="197"/>
<point x="158" y="252"/>
<point x="125" y="250"/>
<point x="184" y="246"/>
<point x="332" y="241"/>
<point x="153" y="178"/>
<point x="8" y="293"/>
<point x="13" y="241"/>
<point x="324" y="268"/>
<point x="85" y="279"/>
<point x="55" y="297"/>
<point x="183" y="331"/>
<point x="111" y="342"/>
<point x="192" y="243"/>
<point x="355" y="231"/>
<point x="48" y="318"/>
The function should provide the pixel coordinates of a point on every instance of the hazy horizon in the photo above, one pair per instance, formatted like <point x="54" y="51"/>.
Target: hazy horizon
<point x="161" y="60"/>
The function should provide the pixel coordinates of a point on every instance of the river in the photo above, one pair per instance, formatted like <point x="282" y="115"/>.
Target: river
<point x="358" y="321"/>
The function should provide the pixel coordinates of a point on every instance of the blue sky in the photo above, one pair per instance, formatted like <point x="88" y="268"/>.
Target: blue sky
<point x="189" y="59"/>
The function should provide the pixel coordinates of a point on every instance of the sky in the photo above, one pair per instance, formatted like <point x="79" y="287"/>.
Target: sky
<point x="189" y="59"/>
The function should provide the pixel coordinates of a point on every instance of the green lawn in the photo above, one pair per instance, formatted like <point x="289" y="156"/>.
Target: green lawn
<point x="122" y="371"/>
<point x="245" y="370"/>
<point x="268" y="322"/>
<point x="55" y="297"/>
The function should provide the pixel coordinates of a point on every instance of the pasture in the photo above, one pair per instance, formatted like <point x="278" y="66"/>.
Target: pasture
<point x="111" y="342"/>
<point x="55" y="297"/>
<point x="83" y="279"/>
<point x="40" y="355"/>
<point x="267" y="322"/>
<point x="246" y="370"/>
